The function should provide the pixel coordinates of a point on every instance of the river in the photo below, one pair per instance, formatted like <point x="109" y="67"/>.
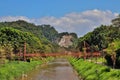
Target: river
<point x="59" y="69"/>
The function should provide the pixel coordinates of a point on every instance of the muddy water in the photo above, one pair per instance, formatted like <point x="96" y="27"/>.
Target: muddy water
<point x="59" y="69"/>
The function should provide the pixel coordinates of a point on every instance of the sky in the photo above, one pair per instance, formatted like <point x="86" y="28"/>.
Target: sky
<point x="79" y="16"/>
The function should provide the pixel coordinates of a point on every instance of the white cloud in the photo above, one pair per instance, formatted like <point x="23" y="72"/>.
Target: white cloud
<point x="13" y="18"/>
<point x="81" y="23"/>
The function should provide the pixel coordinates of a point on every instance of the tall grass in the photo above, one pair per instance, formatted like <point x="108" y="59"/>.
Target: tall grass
<point x="92" y="71"/>
<point x="14" y="69"/>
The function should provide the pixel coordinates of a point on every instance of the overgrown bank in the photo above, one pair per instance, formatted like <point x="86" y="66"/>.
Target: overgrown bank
<point x="15" y="69"/>
<point x="92" y="71"/>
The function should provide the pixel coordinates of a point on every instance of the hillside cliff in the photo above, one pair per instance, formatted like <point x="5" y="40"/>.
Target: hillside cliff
<point x="65" y="41"/>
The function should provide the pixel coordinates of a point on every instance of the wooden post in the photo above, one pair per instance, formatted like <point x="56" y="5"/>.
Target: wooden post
<point x="79" y="55"/>
<point x="19" y="56"/>
<point x="24" y="53"/>
<point x="84" y="51"/>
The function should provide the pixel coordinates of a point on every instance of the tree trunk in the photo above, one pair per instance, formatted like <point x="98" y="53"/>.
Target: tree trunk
<point x="114" y="60"/>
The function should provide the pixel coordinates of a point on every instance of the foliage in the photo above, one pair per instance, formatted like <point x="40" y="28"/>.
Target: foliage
<point x="116" y="21"/>
<point x="13" y="38"/>
<point x="49" y="32"/>
<point x="98" y="60"/>
<point x="104" y="37"/>
<point x="113" y="51"/>
<point x="46" y="34"/>
<point x="92" y="71"/>
<point x="74" y="41"/>
<point x="100" y="36"/>
<point x="24" y="26"/>
<point x="43" y="32"/>
<point x="14" y="69"/>
<point x="2" y="54"/>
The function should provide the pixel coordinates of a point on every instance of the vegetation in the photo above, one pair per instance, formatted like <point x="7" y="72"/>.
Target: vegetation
<point x="102" y="39"/>
<point x="44" y="38"/>
<point x="15" y="69"/>
<point x="49" y="32"/>
<point x="74" y="41"/>
<point x="101" y="36"/>
<point x="16" y="38"/>
<point x="43" y="32"/>
<point x="46" y="34"/>
<point x="99" y="60"/>
<point x="92" y="71"/>
<point x="24" y="26"/>
<point x="113" y="54"/>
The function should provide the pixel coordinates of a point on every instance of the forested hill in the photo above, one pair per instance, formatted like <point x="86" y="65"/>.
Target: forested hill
<point x="100" y="37"/>
<point x="41" y="31"/>
<point x="106" y="39"/>
<point x="13" y="34"/>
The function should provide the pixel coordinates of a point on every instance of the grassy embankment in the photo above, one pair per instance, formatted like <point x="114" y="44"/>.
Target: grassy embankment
<point x="99" y="60"/>
<point x="15" y="69"/>
<point x="92" y="71"/>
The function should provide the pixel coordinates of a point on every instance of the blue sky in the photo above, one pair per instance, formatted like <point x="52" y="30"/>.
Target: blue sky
<point x="46" y="11"/>
<point x="40" y="8"/>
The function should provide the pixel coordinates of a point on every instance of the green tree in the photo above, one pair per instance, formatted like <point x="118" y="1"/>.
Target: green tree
<point x="9" y="51"/>
<point x="116" y="21"/>
<point x="45" y="34"/>
<point x="15" y="39"/>
<point x="2" y="54"/>
<point x="111" y="50"/>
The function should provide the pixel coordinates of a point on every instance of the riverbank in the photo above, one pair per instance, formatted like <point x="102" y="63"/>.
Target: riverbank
<point x="92" y="71"/>
<point x="58" y="69"/>
<point x="14" y="69"/>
